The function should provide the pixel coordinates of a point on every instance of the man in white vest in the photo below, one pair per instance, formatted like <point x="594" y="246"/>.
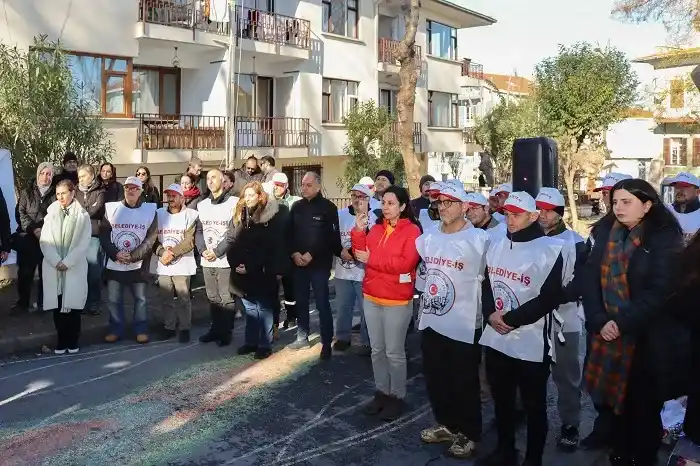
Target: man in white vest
<point x="525" y="269"/>
<point x="175" y="262"/>
<point x="566" y="372"/>
<point x="501" y="193"/>
<point x="215" y="215"/>
<point x="451" y="323"/>
<point x="478" y="212"/>
<point x="349" y="274"/>
<point x="606" y="186"/>
<point x="686" y="206"/>
<point x="127" y="235"/>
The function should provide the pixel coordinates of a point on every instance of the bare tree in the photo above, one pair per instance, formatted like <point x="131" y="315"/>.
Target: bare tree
<point x="454" y="161"/>
<point x="680" y="17"/>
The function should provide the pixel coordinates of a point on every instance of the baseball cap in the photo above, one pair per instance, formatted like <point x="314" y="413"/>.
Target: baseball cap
<point x="174" y="188"/>
<point x="269" y="188"/>
<point x="504" y="188"/>
<point x="683" y="179"/>
<point x="519" y="202"/>
<point x="477" y="199"/>
<point x="611" y="180"/>
<point x="133" y="181"/>
<point x="434" y="188"/>
<point x="453" y="192"/>
<point x="455" y="183"/>
<point x="367" y="181"/>
<point x="280" y="179"/>
<point x="549" y="199"/>
<point x="362" y="188"/>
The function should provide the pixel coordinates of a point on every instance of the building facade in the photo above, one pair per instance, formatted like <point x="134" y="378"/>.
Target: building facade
<point x="166" y="75"/>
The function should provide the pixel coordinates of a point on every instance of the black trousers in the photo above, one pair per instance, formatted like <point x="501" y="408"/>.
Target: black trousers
<point x="67" y="327"/>
<point x="288" y="291"/>
<point x="29" y="257"/>
<point x="506" y="375"/>
<point x="451" y="370"/>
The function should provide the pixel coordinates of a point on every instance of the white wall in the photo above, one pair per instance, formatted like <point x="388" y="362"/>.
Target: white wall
<point x="634" y="138"/>
<point x="203" y="90"/>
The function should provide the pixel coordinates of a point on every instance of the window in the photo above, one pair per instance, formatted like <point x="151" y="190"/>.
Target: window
<point x="155" y="90"/>
<point x="338" y="98"/>
<point x="387" y="100"/>
<point x="443" y="108"/>
<point x="676" y="150"/>
<point x="340" y="17"/>
<point x="677" y="93"/>
<point x="442" y="40"/>
<point x="295" y="175"/>
<point x="103" y="83"/>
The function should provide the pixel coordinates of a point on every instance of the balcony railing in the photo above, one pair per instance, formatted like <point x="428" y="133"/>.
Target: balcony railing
<point x="183" y="14"/>
<point x="472" y="70"/>
<point x="271" y="132"/>
<point x="389" y="49"/>
<point x="181" y="131"/>
<point x="417" y="134"/>
<point x="273" y="28"/>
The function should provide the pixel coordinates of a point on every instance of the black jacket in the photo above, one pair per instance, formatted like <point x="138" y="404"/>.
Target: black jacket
<point x="313" y="228"/>
<point x="32" y="207"/>
<point x="66" y="175"/>
<point x="150" y="194"/>
<point x="660" y="342"/>
<point x="419" y="204"/>
<point x="5" y="229"/>
<point x="199" y="230"/>
<point x="114" y="192"/>
<point x="93" y="201"/>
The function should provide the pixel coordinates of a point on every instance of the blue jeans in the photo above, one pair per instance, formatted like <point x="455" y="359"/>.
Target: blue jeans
<point x="117" y="318"/>
<point x="304" y="278"/>
<point x="258" y="323"/>
<point x="348" y="293"/>
<point x="95" y="259"/>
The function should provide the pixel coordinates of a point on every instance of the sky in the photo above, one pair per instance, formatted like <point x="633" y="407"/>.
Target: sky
<point x="528" y="31"/>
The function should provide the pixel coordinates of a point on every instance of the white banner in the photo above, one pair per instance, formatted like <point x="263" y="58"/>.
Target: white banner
<point x="7" y="184"/>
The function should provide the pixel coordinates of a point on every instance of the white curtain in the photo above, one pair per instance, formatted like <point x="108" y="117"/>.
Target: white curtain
<point x="146" y="91"/>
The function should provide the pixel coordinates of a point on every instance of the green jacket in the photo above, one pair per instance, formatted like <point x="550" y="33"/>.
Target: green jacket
<point x="288" y="200"/>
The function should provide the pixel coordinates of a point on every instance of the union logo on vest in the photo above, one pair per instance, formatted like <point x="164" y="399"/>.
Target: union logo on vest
<point x="126" y="241"/>
<point x="504" y="298"/>
<point x="171" y="242"/>
<point x="439" y="295"/>
<point x="212" y="236"/>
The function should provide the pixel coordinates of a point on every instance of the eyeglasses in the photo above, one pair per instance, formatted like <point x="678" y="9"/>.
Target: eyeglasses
<point x="132" y="188"/>
<point x="446" y="203"/>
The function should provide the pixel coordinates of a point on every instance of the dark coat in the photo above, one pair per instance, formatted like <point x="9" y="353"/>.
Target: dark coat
<point x="65" y="175"/>
<point x="5" y="229"/>
<point x="313" y="228"/>
<point x="114" y="192"/>
<point x="150" y="194"/>
<point x="32" y="207"/>
<point x="660" y="341"/>
<point x="93" y="201"/>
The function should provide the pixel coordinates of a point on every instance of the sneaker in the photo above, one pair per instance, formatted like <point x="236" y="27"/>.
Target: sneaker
<point x="462" y="447"/>
<point x="73" y="350"/>
<point x="341" y="345"/>
<point x="596" y="440"/>
<point x="142" y="338"/>
<point x="184" y="336"/>
<point x="437" y="434"/>
<point x="393" y="409"/>
<point x="246" y="349"/>
<point x="263" y="353"/>
<point x="299" y="344"/>
<point x="111" y="338"/>
<point x="356" y="328"/>
<point x="377" y="404"/>
<point x="499" y="457"/>
<point x="568" y="439"/>
<point x="59" y="351"/>
<point x="326" y="352"/>
<point x="168" y="334"/>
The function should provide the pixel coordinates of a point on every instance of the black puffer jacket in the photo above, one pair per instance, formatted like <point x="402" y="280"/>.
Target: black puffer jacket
<point x="32" y="207"/>
<point x="114" y="191"/>
<point x="93" y="201"/>
<point x="150" y="194"/>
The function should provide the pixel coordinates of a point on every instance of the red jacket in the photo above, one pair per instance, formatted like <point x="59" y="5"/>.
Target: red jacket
<point x="390" y="257"/>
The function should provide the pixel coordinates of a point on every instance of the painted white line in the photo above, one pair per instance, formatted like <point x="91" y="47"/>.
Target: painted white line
<point x="82" y="353"/>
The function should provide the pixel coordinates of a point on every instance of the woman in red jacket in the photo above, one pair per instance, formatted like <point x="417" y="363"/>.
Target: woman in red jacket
<point x="389" y="253"/>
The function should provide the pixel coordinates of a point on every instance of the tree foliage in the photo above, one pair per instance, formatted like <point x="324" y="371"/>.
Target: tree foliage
<point x="43" y="114"/>
<point x="579" y="93"/>
<point x="371" y="144"/>
<point x="498" y="129"/>
<point x="679" y="17"/>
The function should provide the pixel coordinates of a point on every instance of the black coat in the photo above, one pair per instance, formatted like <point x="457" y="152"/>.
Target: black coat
<point x="150" y="194"/>
<point x="5" y="229"/>
<point x="313" y="228"/>
<point x="32" y="207"/>
<point x="93" y="201"/>
<point x="661" y="341"/>
<point x="114" y="192"/>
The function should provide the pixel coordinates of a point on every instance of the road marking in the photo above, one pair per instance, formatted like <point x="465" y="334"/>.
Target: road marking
<point x="86" y="353"/>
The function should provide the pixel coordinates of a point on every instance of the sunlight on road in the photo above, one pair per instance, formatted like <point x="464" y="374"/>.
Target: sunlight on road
<point x="31" y="388"/>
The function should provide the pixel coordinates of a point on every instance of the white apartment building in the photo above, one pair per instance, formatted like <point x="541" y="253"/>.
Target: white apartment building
<point x="165" y="79"/>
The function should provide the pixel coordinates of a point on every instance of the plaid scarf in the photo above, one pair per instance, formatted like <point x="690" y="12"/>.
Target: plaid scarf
<point x="609" y="362"/>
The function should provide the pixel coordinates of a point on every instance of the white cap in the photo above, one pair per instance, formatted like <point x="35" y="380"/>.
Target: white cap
<point x="549" y="199"/>
<point x="174" y="188"/>
<point x="455" y="183"/>
<point x="503" y="188"/>
<point x="362" y="188"/>
<point x="477" y="199"/>
<point x="611" y="180"/>
<point x="269" y="188"/>
<point x="453" y="192"/>
<point x="683" y="179"/>
<point x="367" y="181"/>
<point x="519" y="202"/>
<point x="280" y="179"/>
<point x="133" y="181"/>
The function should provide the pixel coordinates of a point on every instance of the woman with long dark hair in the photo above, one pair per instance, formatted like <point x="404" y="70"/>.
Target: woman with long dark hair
<point x="150" y="193"/>
<point x="114" y="191"/>
<point x="388" y="250"/>
<point x="628" y="277"/>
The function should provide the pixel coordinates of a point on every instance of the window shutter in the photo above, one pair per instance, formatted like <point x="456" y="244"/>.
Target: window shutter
<point x="696" y="152"/>
<point x="667" y="151"/>
<point x="684" y="152"/>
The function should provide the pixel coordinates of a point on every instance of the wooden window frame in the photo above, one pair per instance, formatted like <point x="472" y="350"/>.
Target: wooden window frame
<point x="347" y="7"/>
<point x="161" y="72"/>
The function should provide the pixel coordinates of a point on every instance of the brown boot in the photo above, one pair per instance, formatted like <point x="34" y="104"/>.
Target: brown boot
<point x="377" y="404"/>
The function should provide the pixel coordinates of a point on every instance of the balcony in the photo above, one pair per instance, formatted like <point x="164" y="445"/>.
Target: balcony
<point x="472" y="70"/>
<point x="271" y="132"/>
<point x="273" y="28"/>
<point x="389" y="49"/>
<point x="163" y="132"/>
<point x="183" y="14"/>
<point x="417" y="135"/>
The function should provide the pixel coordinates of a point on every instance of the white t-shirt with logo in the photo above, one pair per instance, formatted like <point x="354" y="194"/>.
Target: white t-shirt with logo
<point x="215" y="219"/>
<point x="129" y="229"/>
<point x="171" y="232"/>
<point x="349" y="270"/>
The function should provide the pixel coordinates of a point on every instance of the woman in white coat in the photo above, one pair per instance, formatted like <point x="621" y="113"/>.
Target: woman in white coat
<point x="64" y="241"/>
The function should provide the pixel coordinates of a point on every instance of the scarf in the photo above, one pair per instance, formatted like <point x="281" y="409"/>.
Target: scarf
<point x="609" y="362"/>
<point x="63" y="230"/>
<point x="84" y="189"/>
<point x="192" y="193"/>
<point x="42" y="166"/>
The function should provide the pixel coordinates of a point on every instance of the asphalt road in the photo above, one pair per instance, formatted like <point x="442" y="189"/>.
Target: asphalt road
<point x="167" y="403"/>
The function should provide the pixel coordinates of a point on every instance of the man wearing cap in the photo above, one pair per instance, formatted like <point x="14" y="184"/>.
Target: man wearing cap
<point x="686" y="206"/>
<point x="70" y="169"/>
<point x="422" y="202"/>
<point x="374" y="203"/>
<point x="606" y="186"/>
<point x="127" y="236"/>
<point x="280" y="188"/>
<point x="525" y="269"/>
<point x="501" y="193"/>
<point x="175" y="259"/>
<point x="566" y="373"/>
<point x="451" y="321"/>
<point x="478" y="212"/>
<point x="215" y="215"/>
<point x="349" y="274"/>
<point x="382" y="181"/>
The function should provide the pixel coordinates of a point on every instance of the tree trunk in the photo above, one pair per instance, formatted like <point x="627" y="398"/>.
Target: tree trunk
<point x="569" y="181"/>
<point x="406" y="99"/>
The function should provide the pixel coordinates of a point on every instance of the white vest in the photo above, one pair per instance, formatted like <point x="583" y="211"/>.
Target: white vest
<point x="690" y="223"/>
<point x="129" y="228"/>
<point x="349" y="270"/>
<point x="499" y="216"/>
<point x="455" y="263"/>
<point x="171" y="232"/>
<point x="215" y="220"/>
<point x="517" y="272"/>
<point x="422" y="270"/>
<point x="571" y="313"/>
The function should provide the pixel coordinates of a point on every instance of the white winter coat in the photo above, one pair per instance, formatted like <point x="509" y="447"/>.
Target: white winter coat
<point x="76" y="260"/>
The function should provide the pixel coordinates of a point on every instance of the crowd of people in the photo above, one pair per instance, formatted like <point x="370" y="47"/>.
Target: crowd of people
<point x="502" y="292"/>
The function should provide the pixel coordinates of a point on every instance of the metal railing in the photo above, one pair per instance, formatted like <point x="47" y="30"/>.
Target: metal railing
<point x="340" y="202"/>
<point x="417" y="134"/>
<point x="157" y="131"/>
<point x="274" y="28"/>
<point x="389" y="49"/>
<point x="271" y="132"/>
<point x="472" y="70"/>
<point x="184" y="14"/>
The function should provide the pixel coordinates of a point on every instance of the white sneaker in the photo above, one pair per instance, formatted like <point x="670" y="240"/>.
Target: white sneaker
<point x="59" y="351"/>
<point x="73" y="350"/>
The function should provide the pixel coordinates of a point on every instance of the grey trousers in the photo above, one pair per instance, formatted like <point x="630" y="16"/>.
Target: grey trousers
<point x="216" y="283"/>
<point x="387" y="326"/>
<point x="566" y="373"/>
<point x="178" y="314"/>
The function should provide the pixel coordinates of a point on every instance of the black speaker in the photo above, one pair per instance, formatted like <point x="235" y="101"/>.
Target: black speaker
<point x="535" y="164"/>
